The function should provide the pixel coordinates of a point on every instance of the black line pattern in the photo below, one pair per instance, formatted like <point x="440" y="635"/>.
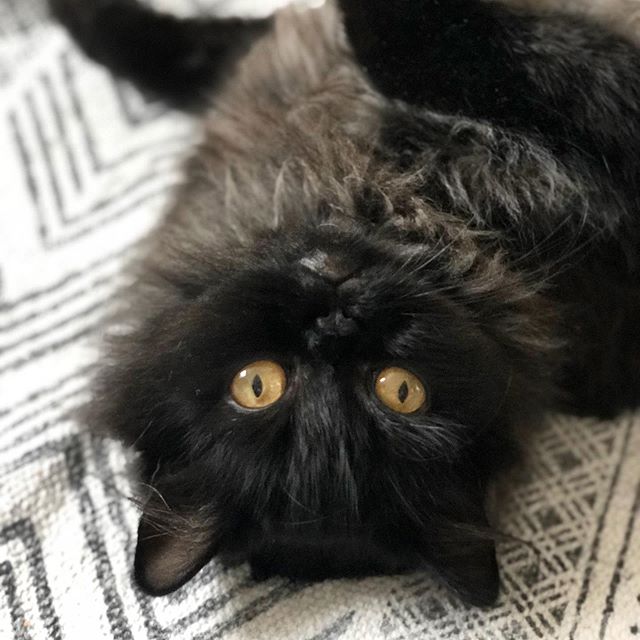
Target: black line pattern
<point x="595" y="548"/>
<point x="24" y="531"/>
<point x="616" y="581"/>
<point x="16" y="610"/>
<point x="90" y="163"/>
<point x="337" y="629"/>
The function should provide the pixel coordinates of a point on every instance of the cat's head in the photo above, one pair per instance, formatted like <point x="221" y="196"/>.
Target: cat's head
<point x="330" y="400"/>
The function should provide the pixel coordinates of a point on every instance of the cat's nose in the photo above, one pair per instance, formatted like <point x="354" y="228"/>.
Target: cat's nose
<point x="334" y="270"/>
<point x="336" y="324"/>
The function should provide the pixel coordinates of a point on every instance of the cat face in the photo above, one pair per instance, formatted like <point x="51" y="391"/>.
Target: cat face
<point x="330" y="473"/>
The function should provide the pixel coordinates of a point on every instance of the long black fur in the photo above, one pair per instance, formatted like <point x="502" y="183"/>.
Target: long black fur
<point x="453" y="190"/>
<point x="180" y="60"/>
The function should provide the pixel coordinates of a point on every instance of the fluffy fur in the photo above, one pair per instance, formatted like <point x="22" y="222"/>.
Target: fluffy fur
<point x="432" y="185"/>
<point x="622" y="16"/>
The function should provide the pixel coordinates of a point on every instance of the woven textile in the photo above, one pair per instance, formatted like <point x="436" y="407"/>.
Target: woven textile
<point x="86" y="166"/>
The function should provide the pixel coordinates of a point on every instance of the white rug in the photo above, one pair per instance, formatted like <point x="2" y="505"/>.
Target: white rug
<point x="85" y="168"/>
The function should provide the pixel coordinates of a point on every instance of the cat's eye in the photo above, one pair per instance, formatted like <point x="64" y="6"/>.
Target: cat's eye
<point x="400" y="390"/>
<point x="259" y="385"/>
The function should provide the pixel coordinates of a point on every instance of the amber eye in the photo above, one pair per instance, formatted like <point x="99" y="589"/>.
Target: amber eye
<point x="259" y="385"/>
<point x="400" y="390"/>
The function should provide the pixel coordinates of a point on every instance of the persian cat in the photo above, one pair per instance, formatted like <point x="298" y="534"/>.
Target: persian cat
<point x="412" y="225"/>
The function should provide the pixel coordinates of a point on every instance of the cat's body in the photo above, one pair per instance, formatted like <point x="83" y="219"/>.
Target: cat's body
<point x="472" y="219"/>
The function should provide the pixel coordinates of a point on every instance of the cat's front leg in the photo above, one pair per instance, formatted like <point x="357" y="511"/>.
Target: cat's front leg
<point x="569" y="82"/>
<point x="181" y="60"/>
<point x="564" y="87"/>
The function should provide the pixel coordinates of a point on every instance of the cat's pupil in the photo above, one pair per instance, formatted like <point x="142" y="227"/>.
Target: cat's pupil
<point x="403" y="391"/>
<point x="256" y="385"/>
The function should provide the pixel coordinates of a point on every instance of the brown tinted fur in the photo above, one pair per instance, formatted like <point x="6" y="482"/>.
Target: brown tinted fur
<point x="621" y="15"/>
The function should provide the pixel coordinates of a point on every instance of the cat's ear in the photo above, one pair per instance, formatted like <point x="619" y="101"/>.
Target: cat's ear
<point x="465" y="557"/>
<point x="171" y="549"/>
<point x="470" y="568"/>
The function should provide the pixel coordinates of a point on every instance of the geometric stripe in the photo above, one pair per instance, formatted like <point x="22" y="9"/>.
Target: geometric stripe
<point x="53" y="113"/>
<point x="23" y="531"/>
<point x="104" y="572"/>
<point x="9" y="589"/>
<point x="337" y="629"/>
<point x="52" y="394"/>
<point x="54" y="345"/>
<point x="70" y="277"/>
<point x="597" y="542"/>
<point x="621" y="564"/>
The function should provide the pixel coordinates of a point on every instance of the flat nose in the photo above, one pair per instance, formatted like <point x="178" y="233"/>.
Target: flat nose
<point x="334" y="270"/>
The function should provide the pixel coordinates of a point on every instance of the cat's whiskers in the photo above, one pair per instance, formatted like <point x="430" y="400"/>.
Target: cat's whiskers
<point x="296" y="501"/>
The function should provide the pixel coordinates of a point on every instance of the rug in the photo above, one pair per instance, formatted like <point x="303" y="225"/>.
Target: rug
<point x="86" y="165"/>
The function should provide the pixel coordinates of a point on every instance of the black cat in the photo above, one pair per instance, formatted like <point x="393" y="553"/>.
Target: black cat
<point x="398" y="240"/>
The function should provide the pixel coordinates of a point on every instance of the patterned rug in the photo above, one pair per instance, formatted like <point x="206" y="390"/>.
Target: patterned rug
<point x="86" y="165"/>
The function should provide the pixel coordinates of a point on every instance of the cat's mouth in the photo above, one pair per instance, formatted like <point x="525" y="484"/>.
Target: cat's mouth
<point x="332" y="557"/>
